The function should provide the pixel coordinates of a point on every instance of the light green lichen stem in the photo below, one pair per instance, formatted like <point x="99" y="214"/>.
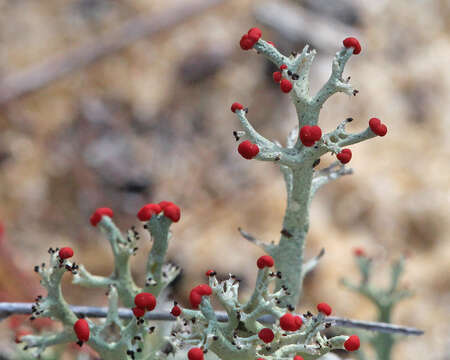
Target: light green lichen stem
<point x="121" y="276"/>
<point x="260" y="288"/>
<point x="113" y="310"/>
<point x="159" y="229"/>
<point x="288" y="254"/>
<point x="382" y="342"/>
<point x="55" y="305"/>
<point x="41" y="342"/>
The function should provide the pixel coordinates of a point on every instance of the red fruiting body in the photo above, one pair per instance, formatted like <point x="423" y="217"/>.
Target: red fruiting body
<point x="246" y="42"/>
<point x="19" y="334"/>
<point x="164" y="204"/>
<point x="289" y="322"/>
<point x="210" y="272"/>
<point x="266" y="335"/>
<point x="324" y="308"/>
<point x="298" y="357"/>
<point x="81" y="328"/>
<point x="283" y="67"/>
<point x="354" y="43"/>
<point x="203" y="289"/>
<point x="248" y="150"/>
<point x="195" y="297"/>
<point x="254" y="34"/>
<point x="271" y="43"/>
<point x="138" y="312"/>
<point x="310" y="134"/>
<point x="65" y="253"/>
<point x="377" y="127"/>
<point x="148" y="211"/>
<point x="359" y="252"/>
<point x="99" y="213"/>
<point x="250" y="39"/>
<point x="352" y="343"/>
<point x="145" y="301"/>
<point x="236" y="106"/>
<point x="195" y="354"/>
<point x="285" y="86"/>
<point x="265" y="261"/>
<point x="382" y="130"/>
<point x="176" y="311"/>
<point x="172" y="212"/>
<point x="344" y="156"/>
<point x="277" y="76"/>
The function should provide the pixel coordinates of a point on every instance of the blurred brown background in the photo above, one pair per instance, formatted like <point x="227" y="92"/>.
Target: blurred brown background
<point x="150" y="121"/>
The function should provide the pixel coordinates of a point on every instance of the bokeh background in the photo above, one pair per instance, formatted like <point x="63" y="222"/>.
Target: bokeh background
<point x="148" y="119"/>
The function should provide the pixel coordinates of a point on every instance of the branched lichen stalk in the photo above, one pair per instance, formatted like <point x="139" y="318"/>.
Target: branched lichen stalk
<point x="384" y="299"/>
<point x="297" y="161"/>
<point x="103" y="338"/>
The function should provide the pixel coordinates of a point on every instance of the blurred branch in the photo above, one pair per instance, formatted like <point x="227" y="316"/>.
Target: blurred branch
<point x="375" y="326"/>
<point x="40" y="75"/>
<point x="8" y="309"/>
<point x="252" y="239"/>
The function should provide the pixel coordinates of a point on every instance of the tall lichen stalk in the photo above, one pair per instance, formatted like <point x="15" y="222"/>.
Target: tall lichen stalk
<point x="297" y="161"/>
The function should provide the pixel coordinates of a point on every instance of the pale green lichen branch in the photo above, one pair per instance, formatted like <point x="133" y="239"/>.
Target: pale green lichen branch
<point x="298" y="63"/>
<point x="302" y="67"/>
<point x="112" y="317"/>
<point x="250" y="131"/>
<point x="249" y="237"/>
<point x="259" y="291"/>
<point x="272" y="54"/>
<point x="159" y="274"/>
<point x="384" y="300"/>
<point x="327" y="175"/>
<point x="41" y="342"/>
<point x="356" y="138"/>
<point x="335" y="83"/>
<point x="269" y="151"/>
<point x="335" y="140"/>
<point x="122" y="251"/>
<point x="54" y="305"/>
<point x="311" y="264"/>
<point x="85" y="278"/>
<point x="397" y="269"/>
<point x="227" y="294"/>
